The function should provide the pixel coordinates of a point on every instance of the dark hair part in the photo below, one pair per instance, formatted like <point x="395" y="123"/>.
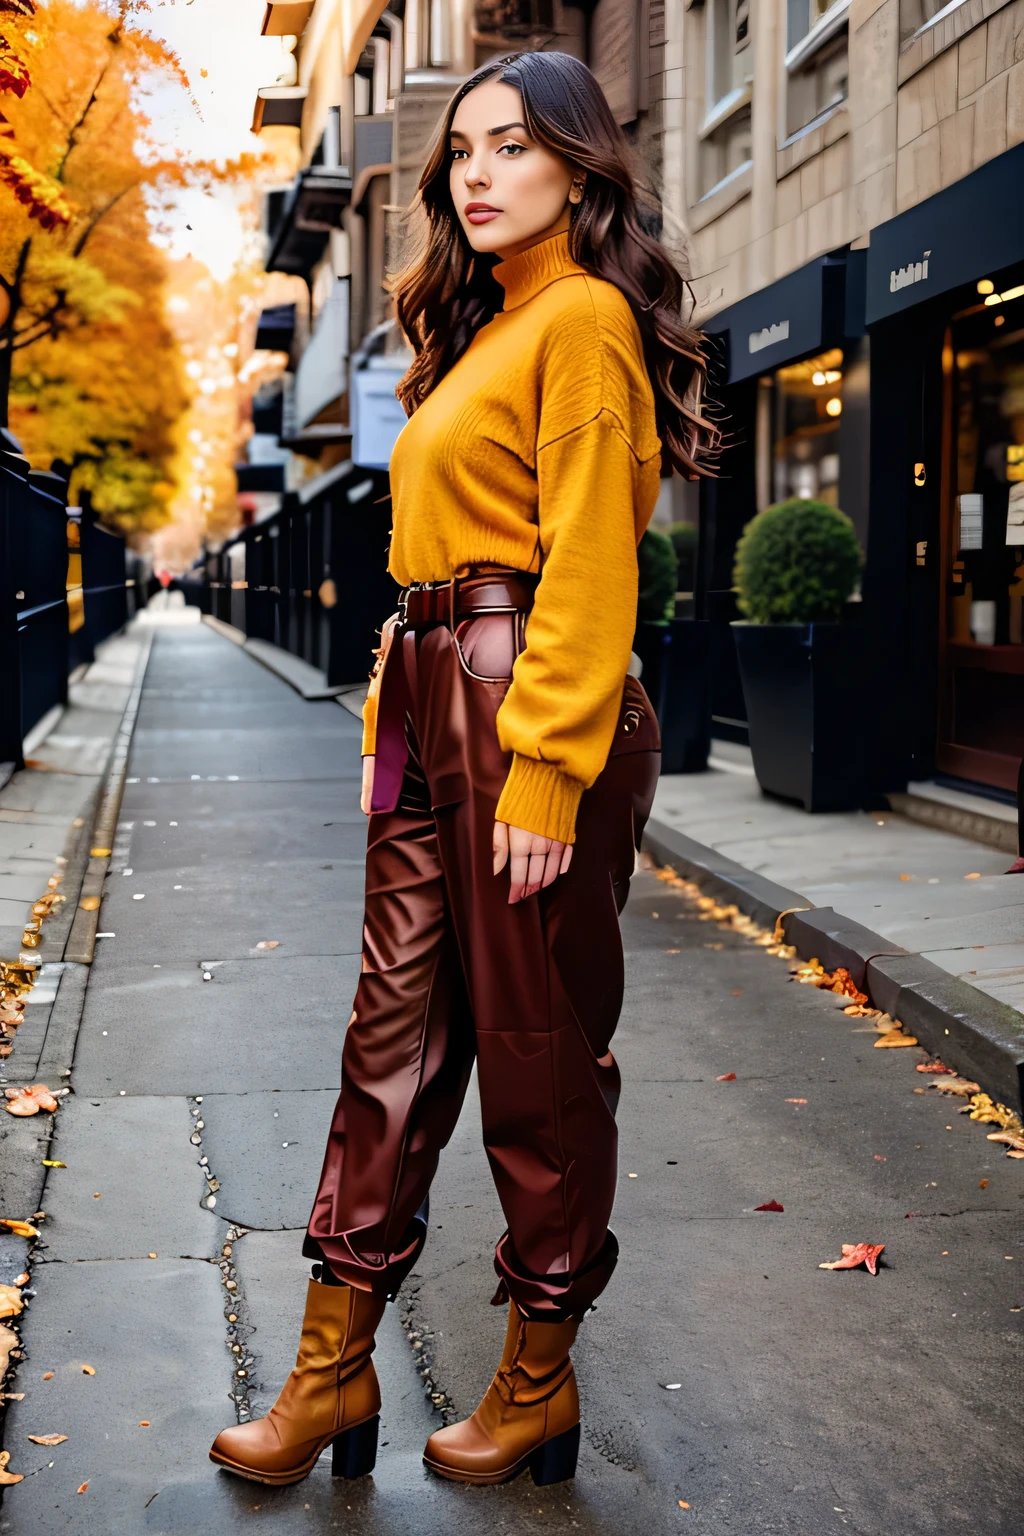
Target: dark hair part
<point x="449" y="292"/>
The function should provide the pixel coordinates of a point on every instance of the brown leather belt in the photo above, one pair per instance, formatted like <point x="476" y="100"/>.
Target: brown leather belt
<point x="447" y="602"/>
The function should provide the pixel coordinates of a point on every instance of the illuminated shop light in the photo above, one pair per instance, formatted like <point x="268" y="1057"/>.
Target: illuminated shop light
<point x="818" y="378"/>
<point x="986" y="285"/>
<point x="1006" y="295"/>
<point x="833" y="376"/>
<point x="834" y="406"/>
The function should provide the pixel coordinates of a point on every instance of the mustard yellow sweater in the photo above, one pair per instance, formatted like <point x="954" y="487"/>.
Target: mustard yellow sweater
<point x="539" y="451"/>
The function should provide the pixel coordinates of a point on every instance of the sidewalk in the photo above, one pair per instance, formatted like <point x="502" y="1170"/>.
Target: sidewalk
<point x="722" y="1371"/>
<point x="936" y="895"/>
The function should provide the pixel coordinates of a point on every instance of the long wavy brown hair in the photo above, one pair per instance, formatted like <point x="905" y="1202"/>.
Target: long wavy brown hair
<point x="449" y="292"/>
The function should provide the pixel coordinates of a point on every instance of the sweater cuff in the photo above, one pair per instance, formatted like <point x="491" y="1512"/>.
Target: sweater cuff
<point x="370" y="723"/>
<point x="540" y="798"/>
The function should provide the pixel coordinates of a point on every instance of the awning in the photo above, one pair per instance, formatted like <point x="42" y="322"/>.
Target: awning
<point x="972" y="228"/>
<point x="358" y="19"/>
<point x="814" y="307"/>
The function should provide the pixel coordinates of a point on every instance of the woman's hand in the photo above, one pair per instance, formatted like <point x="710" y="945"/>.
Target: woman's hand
<point x="366" y="794"/>
<point x="533" y="861"/>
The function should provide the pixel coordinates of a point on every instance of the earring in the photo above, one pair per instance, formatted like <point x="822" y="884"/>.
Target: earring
<point x="576" y="192"/>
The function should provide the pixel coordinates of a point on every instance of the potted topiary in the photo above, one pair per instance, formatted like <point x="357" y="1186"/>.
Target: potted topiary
<point x="797" y="565"/>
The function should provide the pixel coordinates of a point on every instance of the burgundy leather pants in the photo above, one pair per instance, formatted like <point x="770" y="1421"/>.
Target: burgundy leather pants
<point x="452" y="972"/>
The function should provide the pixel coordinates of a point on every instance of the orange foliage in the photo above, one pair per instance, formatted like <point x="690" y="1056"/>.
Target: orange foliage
<point x="94" y="368"/>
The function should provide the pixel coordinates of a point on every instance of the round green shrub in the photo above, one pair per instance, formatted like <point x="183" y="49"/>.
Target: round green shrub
<point x="658" y="570"/>
<point x="797" y="563"/>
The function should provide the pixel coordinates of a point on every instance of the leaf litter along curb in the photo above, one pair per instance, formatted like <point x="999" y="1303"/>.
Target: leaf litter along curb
<point x="729" y="918"/>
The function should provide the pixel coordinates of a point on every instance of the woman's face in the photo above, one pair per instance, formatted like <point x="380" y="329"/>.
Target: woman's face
<point x="509" y="192"/>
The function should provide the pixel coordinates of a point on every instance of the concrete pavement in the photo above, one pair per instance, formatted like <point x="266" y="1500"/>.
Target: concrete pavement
<point x="932" y="892"/>
<point x="722" y="1368"/>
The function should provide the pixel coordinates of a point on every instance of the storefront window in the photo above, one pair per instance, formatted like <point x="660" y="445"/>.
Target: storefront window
<point x="798" y="430"/>
<point x="981" y="734"/>
<point x="988" y="569"/>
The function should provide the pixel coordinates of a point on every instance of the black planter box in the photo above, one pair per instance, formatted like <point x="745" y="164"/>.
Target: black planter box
<point x="676" y="677"/>
<point x="804" y="690"/>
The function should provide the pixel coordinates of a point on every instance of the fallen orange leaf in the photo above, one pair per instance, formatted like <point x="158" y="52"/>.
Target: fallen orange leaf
<point x="935" y="1066"/>
<point x="796" y="1101"/>
<point x="10" y="1301"/>
<point x="47" y="1439"/>
<point x="726" y="1077"/>
<point x="683" y="1504"/>
<point x="81" y="1487"/>
<point x="143" y="1423"/>
<point x="855" y="1254"/>
<point x="19" y="1228"/>
<point x="974" y="876"/>
<point x="47" y="1375"/>
<point x="88" y="1370"/>
<point x="894" y="1037"/>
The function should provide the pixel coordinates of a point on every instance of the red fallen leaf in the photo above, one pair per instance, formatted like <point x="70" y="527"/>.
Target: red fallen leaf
<point x="726" y="1077"/>
<point x="82" y="1488"/>
<point x="935" y="1066"/>
<point x="770" y="1205"/>
<point x="855" y="1254"/>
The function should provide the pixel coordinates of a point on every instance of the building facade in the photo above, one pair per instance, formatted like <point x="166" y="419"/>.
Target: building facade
<point x="843" y="179"/>
<point x="851" y="179"/>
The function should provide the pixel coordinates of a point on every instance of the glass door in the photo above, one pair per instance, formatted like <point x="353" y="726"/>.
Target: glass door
<point x="981" y="724"/>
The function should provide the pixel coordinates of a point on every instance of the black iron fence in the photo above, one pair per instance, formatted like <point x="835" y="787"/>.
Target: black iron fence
<point x="64" y="587"/>
<point x="312" y="578"/>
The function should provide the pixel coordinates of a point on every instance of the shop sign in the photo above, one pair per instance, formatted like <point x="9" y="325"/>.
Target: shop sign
<point x="768" y="336"/>
<point x="971" y="509"/>
<point x="905" y="277"/>
<point x="971" y="229"/>
<point x="1015" y="515"/>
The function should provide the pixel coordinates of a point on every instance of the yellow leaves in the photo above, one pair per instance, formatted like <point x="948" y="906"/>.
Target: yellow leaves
<point x="88" y="1370"/>
<point x="8" y="1340"/>
<point x="989" y="1113"/>
<point x="894" y="1037"/>
<point x="29" y="1101"/>
<point x="961" y="1086"/>
<point x="974" y="876"/>
<point x="52" y="1162"/>
<point x="8" y="1478"/>
<point x="10" y="1301"/>
<point x="19" y="1228"/>
<point x="38" y="193"/>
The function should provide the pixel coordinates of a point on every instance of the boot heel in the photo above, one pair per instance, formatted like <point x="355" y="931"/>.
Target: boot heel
<point x="555" y="1460"/>
<point x="354" y="1451"/>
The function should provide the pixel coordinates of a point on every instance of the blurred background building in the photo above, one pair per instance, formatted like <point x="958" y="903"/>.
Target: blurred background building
<point x="845" y="179"/>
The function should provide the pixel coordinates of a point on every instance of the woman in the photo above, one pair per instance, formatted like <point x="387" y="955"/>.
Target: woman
<point x="509" y="764"/>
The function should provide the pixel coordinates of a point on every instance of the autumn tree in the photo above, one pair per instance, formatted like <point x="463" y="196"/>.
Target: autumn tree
<point x="86" y="356"/>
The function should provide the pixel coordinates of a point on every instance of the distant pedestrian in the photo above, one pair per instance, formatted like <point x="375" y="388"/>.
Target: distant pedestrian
<point x="510" y="764"/>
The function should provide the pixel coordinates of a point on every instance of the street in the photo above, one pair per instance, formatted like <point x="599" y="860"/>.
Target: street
<point x="729" y="1385"/>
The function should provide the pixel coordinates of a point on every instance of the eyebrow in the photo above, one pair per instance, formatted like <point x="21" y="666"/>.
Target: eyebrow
<point x="491" y="132"/>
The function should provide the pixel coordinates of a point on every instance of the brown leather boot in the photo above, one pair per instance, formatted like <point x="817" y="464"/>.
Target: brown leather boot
<point x="330" y="1398"/>
<point x="530" y="1415"/>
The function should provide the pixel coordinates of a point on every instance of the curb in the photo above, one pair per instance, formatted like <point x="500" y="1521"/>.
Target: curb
<point x="308" y="681"/>
<point x="980" y="1037"/>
